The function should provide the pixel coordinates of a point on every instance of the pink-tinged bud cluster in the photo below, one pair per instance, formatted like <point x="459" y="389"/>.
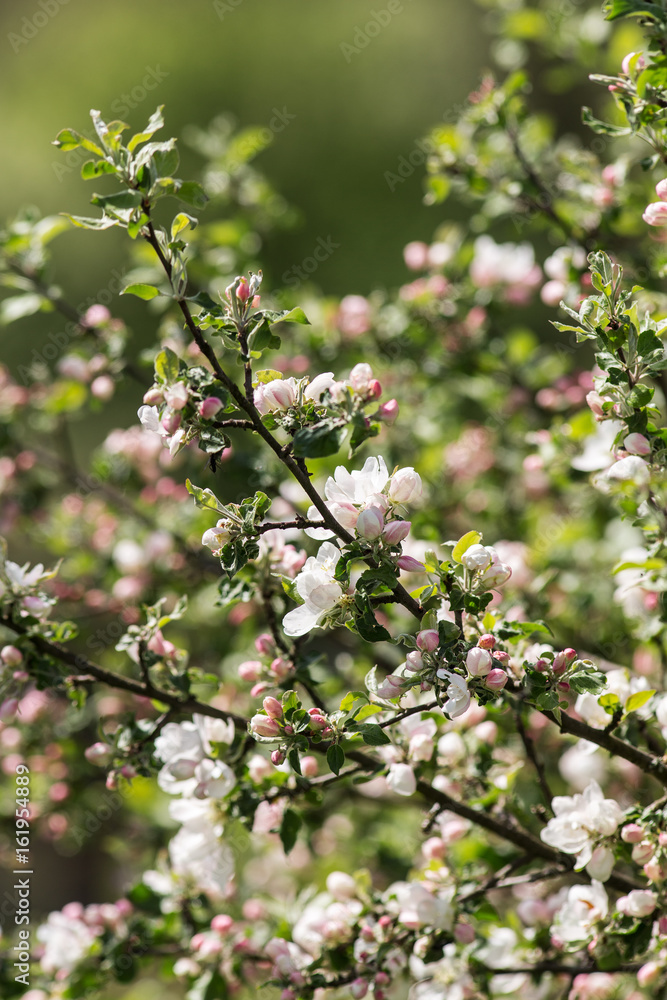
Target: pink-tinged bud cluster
<point x="632" y="833"/>
<point x="272" y="707"/>
<point x="318" y="721"/>
<point x="153" y="397"/>
<point x="410" y="565"/>
<point x="171" y="421"/>
<point x="563" y="660"/>
<point x="486" y="641"/>
<point x="388" y="411"/>
<point x="243" y="291"/>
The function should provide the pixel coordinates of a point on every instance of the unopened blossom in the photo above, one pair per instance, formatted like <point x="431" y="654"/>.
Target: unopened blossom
<point x="209" y="407"/>
<point x="264" y="725"/>
<point x="637" y="444"/>
<point x="579" y="819"/>
<point x="341" y="886"/>
<point x="584" y="907"/>
<point x="638" y="903"/>
<point x="405" y="486"/>
<point x="319" y="590"/>
<point x="370" y="523"/>
<point x="11" y="655"/>
<point x="176" y="396"/>
<point x="479" y="661"/>
<point x="319" y="385"/>
<point x="655" y="214"/>
<point x="401" y="779"/>
<point x="396" y="531"/>
<point x="279" y="394"/>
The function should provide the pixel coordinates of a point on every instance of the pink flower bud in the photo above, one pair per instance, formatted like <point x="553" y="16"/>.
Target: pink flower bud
<point x="464" y="933"/>
<point x="209" y="407"/>
<point x="486" y="641"/>
<point x="396" y="531"/>
<point x="21" y="675"/>
<point x="359" y="988"/>
<point x="103" y="387"/>
<point x="479" y="661"/>
<point x="11" y="655"/>
<point x="563" y="686"/>
<point x="388" y="411"/>
<point x="384" y="922"/>
<point x="637" y="444"/>
<point x="496" y="679"/>
<point x="391" y="687"/>
<point x="374" y="390"/>
<point x="289" y="729"/>
<point x="649" y="973"/>
<point x="638" y="903"/>
<point x="662" y="926"/>
<point x="171" y="421"/>
<point x="263" y="725"/>
<point x="381" y="978"/>
<point x="95" y="315"/>
<point x="243" y="291"/>
<point x="433" y="848"/>
<point x="258" y="689"/>
<point x="309" y="767"/>
<point x="661" y="189"/>
<point x="632" y="833"/>
<point x="655" y="871"/>
<point x="643" y="852"/>
<point x="410" y="565"/>
<point x="317" y="720"/>
<point x="99" y="754"/>
<point x="250" y="670"/>
<point x="563" y="660"/>
<point x="272" y="707"/>
<point x="504" y="657"/>
<point x="405" y="486"/>
<point x="662" y="839"/>
<point x="265" y="644"/>
<point x="428" y="640"/>
<point x="277" y="757"/>
<point x="222" y="923"/>
<point x="627" y="60"/>
<point x="414" y="660"/>
<point x="415" y="255"/>
<point x="153" y="397"/>
<point x="177" y="395"/>
<point x="655" y="214"/>
<point x="370" y="523"/>
<point x="281" y="668"/>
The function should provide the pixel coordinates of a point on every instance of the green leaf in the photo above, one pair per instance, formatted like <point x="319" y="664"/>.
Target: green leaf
<point x="366" y="623"/>
<point x="289" y="829"/>
<point x="464" y="543"/>
<point x="600" y="127"/>
<point x="167" y="365"/>
<point x="373" y="735"/>
<point x="181" y="222"/>
<point x="145" y="292"/>
<point x="319" y="441"/>
<point x="192" y="193"/>
<point x="206" y="499"/>
<point x="614" y="9"/>
<point x="638" y="700"/>
<point x="296" y="315"/>
<point x="335" y="758"/>
<point x="118" y="200"/>
<point x="266" y="375"/>
<point x="262" y="338"/>
<point x="68" y="139"/>
<point x="94" y="168"/>
<point x="156" y="122"/>
<point x="83" y="222"/>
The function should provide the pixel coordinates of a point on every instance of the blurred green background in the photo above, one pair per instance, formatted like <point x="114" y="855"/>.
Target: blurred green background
<point x="356" y="113"/>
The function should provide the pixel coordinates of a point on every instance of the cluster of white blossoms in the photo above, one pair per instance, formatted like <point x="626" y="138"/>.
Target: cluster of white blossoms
<point x="363" y="500"/>
<point x="579" y="825"/>
<point x="620" y="683"/>
<point x="196" y="852"/>
<point x="584" y="907"/>
<point x="282" y="394"/>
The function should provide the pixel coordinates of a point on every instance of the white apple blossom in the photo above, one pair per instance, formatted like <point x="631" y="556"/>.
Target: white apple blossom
<point x="584" y="907"/>
<point x="66" y="940"/>
<point x="580" y="820"/>
<point x="419" y="906"/>
<point x="458" y="696"/>
<point x="319" y="590"/>
<point x="620" y="683"/>
<point x="197" y="853"/>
